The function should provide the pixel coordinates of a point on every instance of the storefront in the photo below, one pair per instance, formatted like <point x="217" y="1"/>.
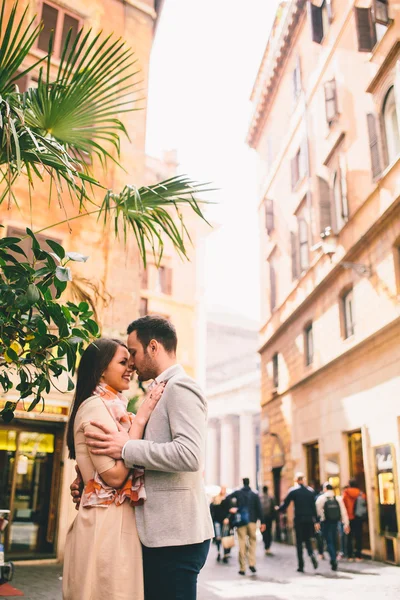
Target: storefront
<point x="387" y="493"/>
<point x="31" y="452"/>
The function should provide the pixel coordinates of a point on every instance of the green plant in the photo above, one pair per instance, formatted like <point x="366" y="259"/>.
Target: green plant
<point x="46" y="135"/>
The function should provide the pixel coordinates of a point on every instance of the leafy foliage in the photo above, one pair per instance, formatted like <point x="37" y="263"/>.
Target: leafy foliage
<point x="40" y="339"/>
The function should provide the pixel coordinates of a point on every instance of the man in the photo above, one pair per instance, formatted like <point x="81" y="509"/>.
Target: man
<point x="305" y="518"/>
<point x="268" y="510"/>
<point x="174" y="523"/>
<point x="331" y="511"/>
<point x="248" y="513"/>
<point x="356" y="505"/>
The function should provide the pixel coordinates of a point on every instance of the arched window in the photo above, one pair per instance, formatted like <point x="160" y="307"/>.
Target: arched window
<point x="391" y="123"/>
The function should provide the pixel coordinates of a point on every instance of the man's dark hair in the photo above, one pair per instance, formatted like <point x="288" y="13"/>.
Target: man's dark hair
<point x="157" y="328"/>
<point x="246" y="481"/>
<point x="329" y="487"/>
<point x="353" y="483"/>
<point x="265" y="489"/>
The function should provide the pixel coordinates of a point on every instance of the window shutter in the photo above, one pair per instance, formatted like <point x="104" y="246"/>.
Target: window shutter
<point x="297" y="79"/>
<point x="374" y="145"/>
<point x="325" y="212"/>
<point x="365" y="29"/>
<point x="343" y="185"/>
<point x="269" y="215"/>
<point x="331" y="108"/>
<point x="272" y="285"/>
<point x="293" y="251"/>
<point x="317" y="24"/>
<point x="49" y="18"/>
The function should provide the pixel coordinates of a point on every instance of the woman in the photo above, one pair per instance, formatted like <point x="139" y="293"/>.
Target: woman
<point x="103" y="557"/>
<point x="219" y="511"/>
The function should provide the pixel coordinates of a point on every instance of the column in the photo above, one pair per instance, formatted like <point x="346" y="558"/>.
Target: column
<point x="212" y="453"/>
<point x="247" y="447"/>
<point x="227" y="469"/>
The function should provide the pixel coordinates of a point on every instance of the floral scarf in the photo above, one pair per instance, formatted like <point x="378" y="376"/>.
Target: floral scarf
<point x="97" y="492"/>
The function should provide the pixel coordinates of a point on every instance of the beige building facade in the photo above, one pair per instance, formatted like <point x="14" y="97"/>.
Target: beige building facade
<point x="35" y="472"/>
<point x="326" y="129"/>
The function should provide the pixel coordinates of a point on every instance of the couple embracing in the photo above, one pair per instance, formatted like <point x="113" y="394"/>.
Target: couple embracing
<point x="143" y="528"/>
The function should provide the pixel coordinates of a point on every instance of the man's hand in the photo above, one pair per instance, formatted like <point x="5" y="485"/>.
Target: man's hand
<point x="109" y="443"/>
<point x="76" y="488"/>
<point x="317" y="527"/>
<point x="347" y="529"/>
<point x="263" y="528"/>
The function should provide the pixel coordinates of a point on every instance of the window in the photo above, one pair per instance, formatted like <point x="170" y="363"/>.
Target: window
<point x="391" y="125"/>
<point x="298" y="166"/>
<point x="144" y="283"/>
<point x="297" y="80"/>
<point x="25" y="82"/>
<point x="303" y="244"/>
<point x="269" y="216"/>
<point x="331" y="105"/>
<point x="272" y="285"/>
<point x="374" y="148"/>
<point x="381" y="12"/>
<point x="309" y="344"/>
<point x="143" y="307"/>
<point x="275" y="370"/>
<point x="165" y="280"/>
<point x="339" y="189"/>
<point x="325" y="213"/>
<point x="321" y="15"/>
<point x="366" y="31"/>
<point x="60" y="22"/>
<point x="348" y="313"/>
<point x="293" y="253"/>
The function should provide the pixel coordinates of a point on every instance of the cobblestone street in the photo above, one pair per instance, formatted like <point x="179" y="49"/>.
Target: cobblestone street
<point x="276" y="579"/>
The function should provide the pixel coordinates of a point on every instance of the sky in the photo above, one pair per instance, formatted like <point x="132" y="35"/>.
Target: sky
<point x="204" y="62"/>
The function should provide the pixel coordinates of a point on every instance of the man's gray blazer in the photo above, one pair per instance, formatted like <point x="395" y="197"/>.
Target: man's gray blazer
<point x="176" y="511"/>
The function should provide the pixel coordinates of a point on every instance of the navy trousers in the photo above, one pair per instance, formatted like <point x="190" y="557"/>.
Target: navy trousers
<point x="170" y="572"/>
<point x="330" y="532"/>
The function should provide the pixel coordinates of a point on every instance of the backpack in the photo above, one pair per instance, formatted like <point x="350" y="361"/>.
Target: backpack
<point x="242" y="517"/>
<point x="332" y="510"/>
<point x="267" y="504"/>
<point x="360" y="507"/>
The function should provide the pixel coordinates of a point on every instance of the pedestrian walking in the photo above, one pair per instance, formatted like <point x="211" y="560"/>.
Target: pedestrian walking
<point x="356" y="505"/>
<point x="305" y="518"/>
<point x="269" y="514"/>
<point x="248" y="512"/>
<point x="331" y="511"/>
<point x="219" y="513"/>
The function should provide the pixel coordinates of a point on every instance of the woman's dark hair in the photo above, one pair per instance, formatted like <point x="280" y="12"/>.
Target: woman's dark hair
<point x="94" y="362"/>
<point x="152" y="327"/>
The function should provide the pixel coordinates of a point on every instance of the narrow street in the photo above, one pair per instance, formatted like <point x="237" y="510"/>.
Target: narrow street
<point x="276" y="579"/>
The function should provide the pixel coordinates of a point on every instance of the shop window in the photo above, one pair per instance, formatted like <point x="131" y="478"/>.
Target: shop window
<point x="321" y="15"/>
<point x="269" y="216"/>
<point x="366" y="31"/>
<point x="275" y="370"/>
<point x="374" y="146"/>
<point x="332" y="471"/>
<point x="391" y="124"/>
<point x="348" y="313"/>
<point x="60" y="22"/>
<point x="385" y="473"/>
<point x="331" y="103"/>
<point x="309" y="344"/>
<point x="143" y="307"/>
